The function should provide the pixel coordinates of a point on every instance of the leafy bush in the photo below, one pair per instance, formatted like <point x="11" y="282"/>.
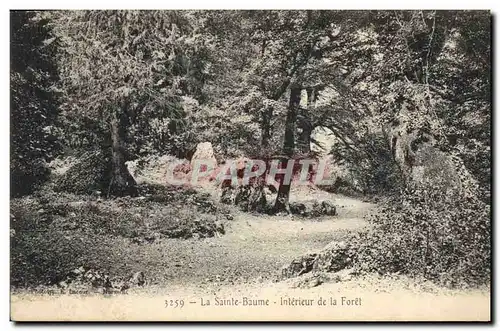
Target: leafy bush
<point x="164" y="127"/>
<point x="27" y="175"/>
<point x="370" y="169"/>
<point x="33" y="102"/>
<point x="430" y="233"/>
<point x="54" y="233"/>
<point x="437" y="228"/>
<point x="91" y="173"/>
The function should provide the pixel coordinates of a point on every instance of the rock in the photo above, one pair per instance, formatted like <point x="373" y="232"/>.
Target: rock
<point x="119" y="285"/>
<point x="204" y="152"/>
<point x="315" y="210"/>
<point x="270" y="191"/>
<point x="311" y="280"/>
<point x="219" y="227"/>
<point x="138" y="240"/>
<point x="334" y="257"/>
<point x="257" y="200"/>
<point x="345" y="275"/>
<point x="299" y="266"/>
<point x="242" y="197"/>
<point x="132" y="167"/>
<point x="298" y="208"/>
<point x="327" y="208"/>
<point x="150" y="238"/>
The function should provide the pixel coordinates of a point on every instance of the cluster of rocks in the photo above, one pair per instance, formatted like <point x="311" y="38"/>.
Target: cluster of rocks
<point x="246" y="197"/>
<point x="84" y="280"/>
<point x="260" y="198"/>
<point x="206" y="227"/>
<point x="203" y="202"/>
<point x="334" y="257"/>
<point x="201" y="228"/>
<point x="314" y="209"/>
<point x="257" y="196"/>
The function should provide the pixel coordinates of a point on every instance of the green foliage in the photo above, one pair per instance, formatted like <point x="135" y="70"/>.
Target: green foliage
<point x="165" y="128"/>
<point x="147" y="66"/>
<point x="33" y="101"/>
<point x="436" y="229"/>
<point x="371" y="168"/>
<point x="54" y="233"/>
<point x="401" y="91"/>
<point x="439" y="228"/>
<point x="89" y="174"/>
<point x="430" y="234"/>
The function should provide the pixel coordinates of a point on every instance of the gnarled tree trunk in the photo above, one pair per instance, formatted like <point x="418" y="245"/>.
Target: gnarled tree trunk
<point x="121" y="183"/>
<point x="305" y="121"/>
<point x="304" y="138"/>
<point x="282" y="200"/>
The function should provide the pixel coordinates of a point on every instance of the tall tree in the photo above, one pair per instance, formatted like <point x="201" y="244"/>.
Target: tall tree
<point x="268" y="53"/>
<point x="118" y="65"/>
<point x="425" y="70"/>
<point x="33" y="100"/>
<point x="281" y="203"/>
<point x="306" y="38"/>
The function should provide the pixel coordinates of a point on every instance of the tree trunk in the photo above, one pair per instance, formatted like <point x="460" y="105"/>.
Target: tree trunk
<point x="282" y="200"/>
<point x="121" y="183"/>
<point x="304" y="140"/>
<point x="267" y="115"/>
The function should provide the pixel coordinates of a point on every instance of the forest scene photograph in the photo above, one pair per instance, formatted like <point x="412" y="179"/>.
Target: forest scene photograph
<point x="249" y="164"/>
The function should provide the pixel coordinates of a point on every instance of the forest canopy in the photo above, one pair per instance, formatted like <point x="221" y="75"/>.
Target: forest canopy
<point x="405" y="96"/>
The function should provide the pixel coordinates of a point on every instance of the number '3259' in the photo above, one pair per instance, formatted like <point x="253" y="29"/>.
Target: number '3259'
<point x="179" y="303"/>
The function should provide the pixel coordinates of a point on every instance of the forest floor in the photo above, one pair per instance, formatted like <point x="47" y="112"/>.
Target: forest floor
<point x="246" y="262"/>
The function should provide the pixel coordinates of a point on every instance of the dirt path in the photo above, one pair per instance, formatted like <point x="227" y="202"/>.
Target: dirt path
<point x="242" y="265"/>
<point x="254" y="248"/>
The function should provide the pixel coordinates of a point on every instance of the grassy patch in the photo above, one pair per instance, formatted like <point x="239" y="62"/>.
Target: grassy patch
<point x="53" y="233"/>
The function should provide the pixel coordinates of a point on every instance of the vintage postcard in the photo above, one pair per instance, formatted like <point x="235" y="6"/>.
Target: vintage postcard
<point x="250" y="165"/>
